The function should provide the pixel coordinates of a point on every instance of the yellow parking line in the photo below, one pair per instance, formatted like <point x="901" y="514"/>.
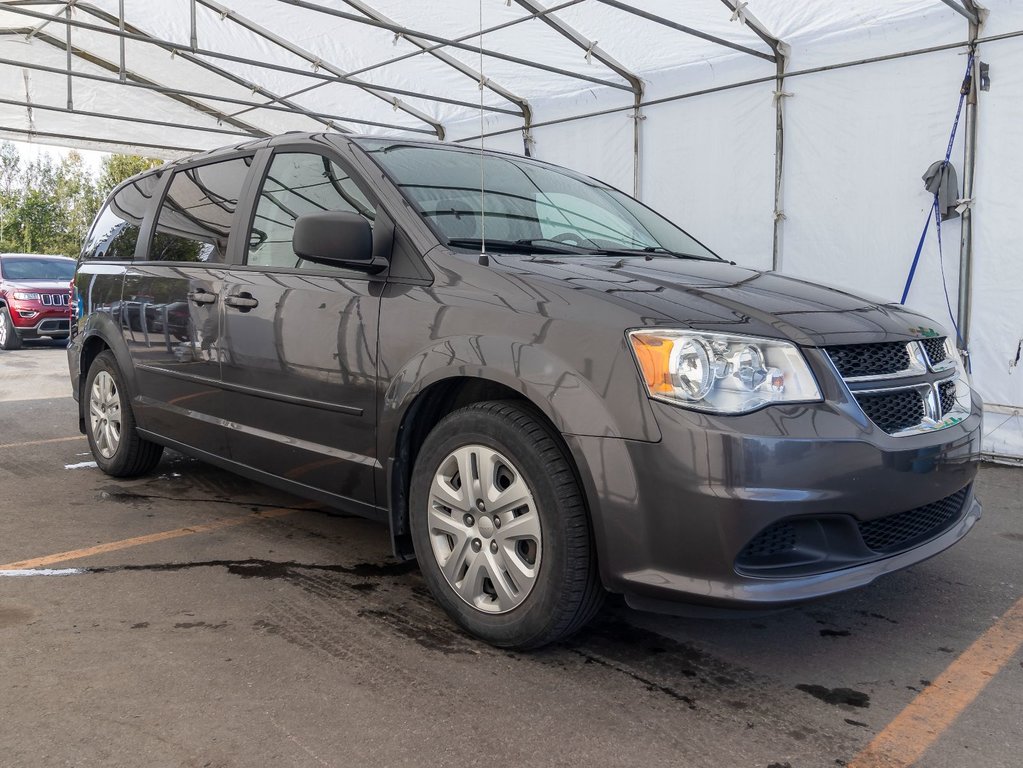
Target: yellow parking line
<point x="920" y="724"/>
<point x="42" y="442"/>
<point x="113" y="546"/>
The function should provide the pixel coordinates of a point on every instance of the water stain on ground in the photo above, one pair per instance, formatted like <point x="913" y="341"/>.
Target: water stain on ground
<point x="1012" y="536"/>
<point x="199" y="625"/>
<point x="836" y="696"/>
<point x="835" y="633"/>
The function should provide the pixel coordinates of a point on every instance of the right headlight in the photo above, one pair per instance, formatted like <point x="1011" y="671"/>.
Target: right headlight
<point x="721" y="373"/>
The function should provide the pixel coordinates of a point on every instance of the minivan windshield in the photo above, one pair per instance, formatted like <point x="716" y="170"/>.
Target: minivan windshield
<point x="525" y="205"/>
<point x="27" y="268"/>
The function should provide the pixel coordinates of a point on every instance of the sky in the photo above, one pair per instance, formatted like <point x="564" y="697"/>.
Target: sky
<point x="30" y="151"/>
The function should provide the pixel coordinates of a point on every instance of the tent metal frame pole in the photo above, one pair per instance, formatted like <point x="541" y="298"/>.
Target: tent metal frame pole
<point x="109" y="66"/>
<point x="94" y="140"/>
<point x="183" y="50"/>
<point x="686" y="30"/>
<point x="967" y="8"/>
<point x="754" y="81"/>
<point x="120" y="39"/>
<point x="398" y="29"/>
<point x="70" y="93"/>
<point x="318" y="63"/>
<point x="781" y="51"/>
<point x="437" y="47"/>
<point x="175" y="48"/>
<point x="185" y="98"/>
<point x="125" y="118"/>
<point x="594" y="51"/>
<point x="458" y="66"/>
<point x="964" y="308"/>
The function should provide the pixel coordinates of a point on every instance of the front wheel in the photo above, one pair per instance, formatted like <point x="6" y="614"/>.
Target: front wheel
<point x="9" y="338"/>
<point x="500" y="527"/>
<point x="110" y="423"/>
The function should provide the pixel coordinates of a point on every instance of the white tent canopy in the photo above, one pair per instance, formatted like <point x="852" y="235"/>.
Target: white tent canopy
<point x="787" y="134"/>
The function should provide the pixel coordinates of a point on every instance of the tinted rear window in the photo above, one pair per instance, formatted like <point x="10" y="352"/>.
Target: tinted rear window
<point x="115" y="231"/>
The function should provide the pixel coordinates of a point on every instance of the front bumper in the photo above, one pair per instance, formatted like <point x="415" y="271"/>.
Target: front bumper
<point x="32" y="321"/>
<point x="671" y="518"/>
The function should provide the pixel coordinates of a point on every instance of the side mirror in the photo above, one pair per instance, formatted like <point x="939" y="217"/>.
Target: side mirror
<point x="336" y="239"/>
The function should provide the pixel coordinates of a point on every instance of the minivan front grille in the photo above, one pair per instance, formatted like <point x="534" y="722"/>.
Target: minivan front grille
<point x="935" y="349"/>
<point x="905" y="529"/>
<point x="884" y="359"/>
<point x="895" y="410"/>
<point x="903" y="387"/>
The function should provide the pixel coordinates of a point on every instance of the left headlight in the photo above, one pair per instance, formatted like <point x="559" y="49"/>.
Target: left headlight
<point x="720" y="373"/>
<point x="26" y="296"/>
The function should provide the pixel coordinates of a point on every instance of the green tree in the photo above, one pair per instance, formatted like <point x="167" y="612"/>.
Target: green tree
<point x="47" y="206"/>
<point x="117" y="168"/>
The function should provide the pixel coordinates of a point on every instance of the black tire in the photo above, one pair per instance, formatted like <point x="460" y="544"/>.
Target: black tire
<point x="9" y="338"/>
<point x="132" y="455"/>
<point x="566" y="592"/>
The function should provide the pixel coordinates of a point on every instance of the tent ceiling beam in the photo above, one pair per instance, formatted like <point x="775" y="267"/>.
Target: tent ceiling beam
<point x="102" y="63"/>
<point x="149" y="85"/>
<point x="398" y="29"/>
<point x="593" y="51"/>
<point x="436" y="47"/>
<point x="182" y="50"/>
<point x="743" y="14"/>
<point x="34" y="105"/>
<point x="133" y="34"/>
<point x="470" y="36"/>
<point x="686" y="30"/>
<point x="969" y="10"/>
<point x="318" y="63"/>
<point x="219" y="71"/>
<point x="4" y="130"/>
<point x="451" y="61"/>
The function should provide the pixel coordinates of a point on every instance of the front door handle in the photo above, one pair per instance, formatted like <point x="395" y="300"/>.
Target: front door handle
<point x="242" y="301"/>
<point x="202" y="297"/>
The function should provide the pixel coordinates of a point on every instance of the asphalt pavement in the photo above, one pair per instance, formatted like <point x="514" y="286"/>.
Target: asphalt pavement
<point x="194" y="618"/>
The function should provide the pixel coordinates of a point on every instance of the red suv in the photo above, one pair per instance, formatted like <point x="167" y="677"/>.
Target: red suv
<point x="35" y="297"/>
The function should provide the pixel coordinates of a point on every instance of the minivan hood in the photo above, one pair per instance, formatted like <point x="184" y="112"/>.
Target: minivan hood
<point x="717" y="296"/>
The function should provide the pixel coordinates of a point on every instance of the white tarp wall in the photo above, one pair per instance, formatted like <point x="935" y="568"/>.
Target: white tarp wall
<point x="857" y="138"/>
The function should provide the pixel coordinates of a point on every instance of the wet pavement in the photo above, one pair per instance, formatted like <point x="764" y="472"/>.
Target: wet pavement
<point x="266" y="632"/>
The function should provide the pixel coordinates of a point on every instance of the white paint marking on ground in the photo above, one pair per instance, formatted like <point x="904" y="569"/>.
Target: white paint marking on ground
<point x="81" y="465"/>
<point x="43" y="572"/>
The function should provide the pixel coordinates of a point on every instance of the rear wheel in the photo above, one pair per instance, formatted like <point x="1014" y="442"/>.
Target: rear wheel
<point x="110" y="423"/>
<point x="500" y="527"/>
<point x="9" y="338"/>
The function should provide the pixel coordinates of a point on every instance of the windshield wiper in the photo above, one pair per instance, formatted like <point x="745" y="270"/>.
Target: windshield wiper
<point x="652" y="250"/>
<point x="515" y="246"/>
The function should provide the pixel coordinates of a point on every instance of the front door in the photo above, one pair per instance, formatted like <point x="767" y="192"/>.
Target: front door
<point x="301" y="341"/>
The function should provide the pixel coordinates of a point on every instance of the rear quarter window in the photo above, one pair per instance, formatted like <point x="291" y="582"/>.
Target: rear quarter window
<point x="115" y="232"/>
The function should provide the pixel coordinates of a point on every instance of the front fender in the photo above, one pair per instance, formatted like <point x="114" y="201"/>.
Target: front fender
<point x="568" y="399"/>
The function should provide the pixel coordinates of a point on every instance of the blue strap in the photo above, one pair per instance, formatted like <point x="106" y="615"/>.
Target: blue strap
<point x="935" y="211"/>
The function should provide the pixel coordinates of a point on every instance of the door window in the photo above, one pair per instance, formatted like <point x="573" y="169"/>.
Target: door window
<point x="196" y="215"/>
<point x="299" y="183"/>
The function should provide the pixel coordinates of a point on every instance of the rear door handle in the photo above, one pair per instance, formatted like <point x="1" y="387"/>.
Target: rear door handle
<point x="202" y="297"/>
<point x="242" y="301"/>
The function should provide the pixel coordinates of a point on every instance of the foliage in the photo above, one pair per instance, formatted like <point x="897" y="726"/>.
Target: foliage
<point x="47" y="205"/>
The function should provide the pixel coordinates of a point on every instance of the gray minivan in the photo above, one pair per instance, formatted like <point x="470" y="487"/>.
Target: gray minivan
<point x="545" y="389"/>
